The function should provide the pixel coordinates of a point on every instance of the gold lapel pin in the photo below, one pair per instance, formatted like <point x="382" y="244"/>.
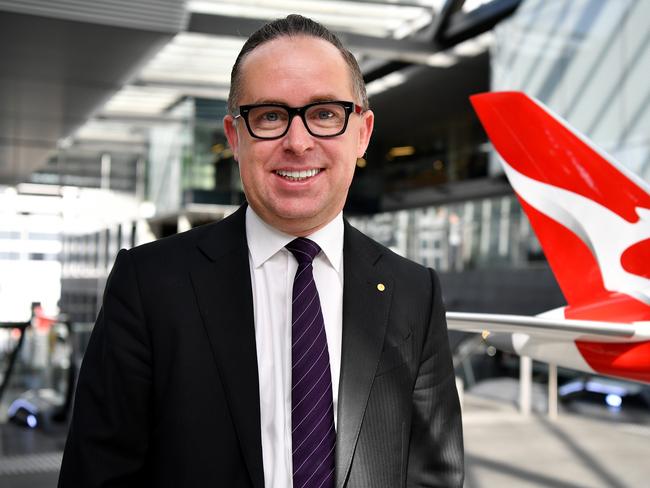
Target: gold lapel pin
<point x="381" y="287"/>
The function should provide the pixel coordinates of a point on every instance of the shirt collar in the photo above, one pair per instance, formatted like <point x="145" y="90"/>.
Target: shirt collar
<point x="265" y="241"/>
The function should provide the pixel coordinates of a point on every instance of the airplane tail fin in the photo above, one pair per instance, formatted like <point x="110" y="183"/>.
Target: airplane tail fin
<point x="591" y="215"/>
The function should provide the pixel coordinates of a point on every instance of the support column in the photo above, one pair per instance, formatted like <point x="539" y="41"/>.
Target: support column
<point x="525" y="385"/>
<point x="552" y="392"/>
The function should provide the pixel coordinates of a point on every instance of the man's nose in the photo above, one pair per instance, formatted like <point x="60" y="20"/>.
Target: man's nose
<point x="297" y="139"/>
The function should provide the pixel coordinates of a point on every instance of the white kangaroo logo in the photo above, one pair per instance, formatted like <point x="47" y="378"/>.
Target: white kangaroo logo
<point x="604" y="232"/>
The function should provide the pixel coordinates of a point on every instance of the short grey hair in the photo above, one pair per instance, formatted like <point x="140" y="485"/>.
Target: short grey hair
<point x="294" y="25"/>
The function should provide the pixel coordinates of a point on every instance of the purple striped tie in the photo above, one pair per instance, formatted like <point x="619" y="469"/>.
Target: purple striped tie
<point x="312" y="414"/>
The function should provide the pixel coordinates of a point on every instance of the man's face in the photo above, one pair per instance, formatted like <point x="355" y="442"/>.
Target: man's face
<point x="297" y="71"/>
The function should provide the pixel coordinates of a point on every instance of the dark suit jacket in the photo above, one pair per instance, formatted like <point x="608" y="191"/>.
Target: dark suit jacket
<point x="168" y="393"/>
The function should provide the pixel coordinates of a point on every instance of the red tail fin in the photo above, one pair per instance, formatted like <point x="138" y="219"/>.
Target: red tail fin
<point x="591" y="215"/>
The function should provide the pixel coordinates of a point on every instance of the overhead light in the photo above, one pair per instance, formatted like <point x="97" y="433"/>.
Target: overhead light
<point x="385" y="82"/>
<point x="193" y="59"/>
<point x="409" y="27"/>
<point x="64" y="143"/>
<point x="468" y="48"/>
<point x="613" y="400"/>
<point x="437" y="59"/>
<point x="379" y="20"/>
<point x="401" y="151"/>
<point x="475" y="46"/>
<point x="395" y="78"/>
<point x="470" y="5"/>
<point x="141" y="100"/>
<point x="440" y="60"/>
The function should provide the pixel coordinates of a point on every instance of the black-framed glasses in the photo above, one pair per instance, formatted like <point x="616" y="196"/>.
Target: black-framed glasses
<point x="321" y="119"/>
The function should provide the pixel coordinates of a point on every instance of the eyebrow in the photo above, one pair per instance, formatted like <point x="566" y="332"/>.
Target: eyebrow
<point x="320" y="98"/>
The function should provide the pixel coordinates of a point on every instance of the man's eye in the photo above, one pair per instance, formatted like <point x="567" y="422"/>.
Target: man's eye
<point x="325" y="114"/>
<point x="271" y="116"/>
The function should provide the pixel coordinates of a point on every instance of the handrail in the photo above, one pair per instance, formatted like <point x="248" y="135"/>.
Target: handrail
<point x="22" y="326"/>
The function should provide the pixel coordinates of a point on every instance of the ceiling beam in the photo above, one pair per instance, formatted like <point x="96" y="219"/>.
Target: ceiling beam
<point x="441" y="21"/>
<point x="387" y="48"/>
<point x="449" y="28"/>
<point x="139" y="119"/>
<point x="465" y="25"/>
<point x="55" y="73"/>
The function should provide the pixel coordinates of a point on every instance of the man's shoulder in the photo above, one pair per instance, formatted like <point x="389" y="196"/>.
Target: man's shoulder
<point x="413" y="284"/>
<point x="382" y="254"/>
<point x="209" y="236"/>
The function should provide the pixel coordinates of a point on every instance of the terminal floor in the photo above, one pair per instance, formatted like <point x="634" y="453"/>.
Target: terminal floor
<point x="506" y="449"/>
<point x="503" y="449"/>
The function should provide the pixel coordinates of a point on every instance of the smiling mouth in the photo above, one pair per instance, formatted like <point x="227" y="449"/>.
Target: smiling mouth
<point x="297" y="175"/>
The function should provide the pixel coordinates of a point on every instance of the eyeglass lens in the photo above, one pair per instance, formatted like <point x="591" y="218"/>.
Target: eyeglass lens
<point x="323" y="119"/>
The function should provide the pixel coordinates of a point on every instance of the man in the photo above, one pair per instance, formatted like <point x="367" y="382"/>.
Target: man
<point x="235" y="354"/>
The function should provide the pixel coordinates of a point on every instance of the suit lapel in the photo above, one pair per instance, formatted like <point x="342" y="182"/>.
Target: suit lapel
<point x="223" y="289"/>
<point x="365" y="315"/>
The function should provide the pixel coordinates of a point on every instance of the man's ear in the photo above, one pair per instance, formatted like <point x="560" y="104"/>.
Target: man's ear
<point x="365" y="131"/>
<point x="230" y="128"/>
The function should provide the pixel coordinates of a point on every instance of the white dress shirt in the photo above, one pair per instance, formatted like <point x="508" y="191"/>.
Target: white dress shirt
<point x="272" y="272"/>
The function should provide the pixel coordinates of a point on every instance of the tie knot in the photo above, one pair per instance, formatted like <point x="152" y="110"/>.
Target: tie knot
<point x="303" y="250"/>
